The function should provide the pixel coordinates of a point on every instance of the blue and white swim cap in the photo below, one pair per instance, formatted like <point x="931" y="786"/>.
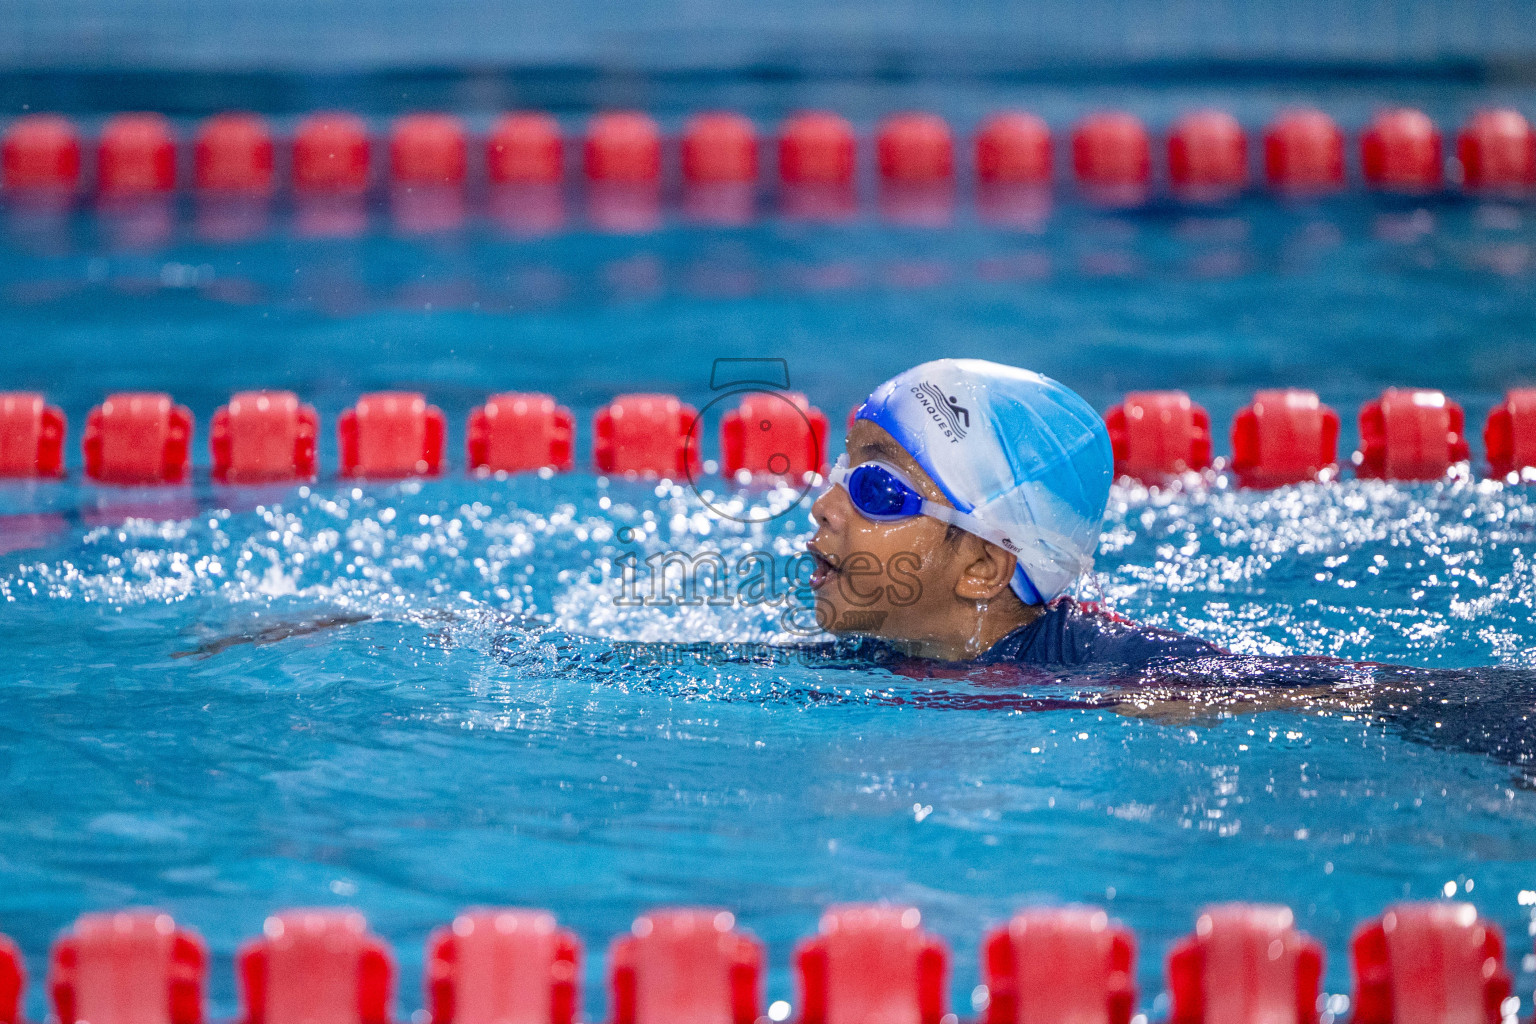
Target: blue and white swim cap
<point x="1021" y="453"/>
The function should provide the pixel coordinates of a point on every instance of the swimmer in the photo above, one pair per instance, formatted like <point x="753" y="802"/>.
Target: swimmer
<point x="968" y="502"/>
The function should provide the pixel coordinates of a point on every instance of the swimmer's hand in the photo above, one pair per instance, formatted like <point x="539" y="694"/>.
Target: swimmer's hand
<point x="272" y="633"/>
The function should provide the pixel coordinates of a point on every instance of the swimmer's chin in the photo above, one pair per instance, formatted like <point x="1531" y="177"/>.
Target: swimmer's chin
<point x="853" y="622"/>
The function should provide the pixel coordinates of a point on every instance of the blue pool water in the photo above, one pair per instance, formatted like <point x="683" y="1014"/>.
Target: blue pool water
<point x="417" y="697"/>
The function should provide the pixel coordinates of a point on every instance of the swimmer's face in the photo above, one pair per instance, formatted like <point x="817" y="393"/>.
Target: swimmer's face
<point x="911" y="579"/>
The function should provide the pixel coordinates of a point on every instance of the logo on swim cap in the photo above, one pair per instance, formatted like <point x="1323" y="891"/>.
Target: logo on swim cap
<point x="954" y="418"/>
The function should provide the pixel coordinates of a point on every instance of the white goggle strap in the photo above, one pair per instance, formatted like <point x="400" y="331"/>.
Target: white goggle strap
<point x="969" y="523"/>
<point x="1044" y="555"/>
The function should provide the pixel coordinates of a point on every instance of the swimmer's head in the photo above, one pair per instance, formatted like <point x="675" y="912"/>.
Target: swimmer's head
<point x="970" y="493"/>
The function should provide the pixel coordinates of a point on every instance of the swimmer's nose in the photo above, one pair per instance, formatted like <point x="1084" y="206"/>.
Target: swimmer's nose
<point x="830" y="511"/>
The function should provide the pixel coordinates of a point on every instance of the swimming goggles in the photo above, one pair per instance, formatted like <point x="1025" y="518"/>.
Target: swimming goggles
<point x="881" y="494"/>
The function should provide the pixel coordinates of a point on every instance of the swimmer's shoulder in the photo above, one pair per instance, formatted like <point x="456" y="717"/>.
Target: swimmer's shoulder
<point x="1074" y="633"/>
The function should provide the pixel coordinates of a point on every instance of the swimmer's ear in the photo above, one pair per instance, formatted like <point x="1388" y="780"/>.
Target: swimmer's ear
<point x="988" y="569"/>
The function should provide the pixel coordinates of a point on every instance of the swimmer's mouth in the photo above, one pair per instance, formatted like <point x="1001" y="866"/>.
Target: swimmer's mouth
<point x="826" y="565"/>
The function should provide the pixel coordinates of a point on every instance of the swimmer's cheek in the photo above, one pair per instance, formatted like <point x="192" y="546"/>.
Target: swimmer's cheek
<point x="905" y="587"/>
<point x="856" y="580"/>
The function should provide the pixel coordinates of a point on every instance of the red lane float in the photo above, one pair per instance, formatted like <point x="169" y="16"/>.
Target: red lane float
<point x="136" y="156"/>
<point x="263" y="437"/>
<point x="1304" y="152"/>
<point x="233" y="153"/>
<point x="622" y="157"/>
<point x="525" y="162"/>
<point x="1400" y="152"/>
<point x="517" y="432"/>
<point x="1059" y="965"/>
<point x="1014" y="148"/>
<point x="502" y="966"/>
<point x="131" y="967"/>
<point x="915" y="149"/>
<point x="330" y="174"/>
<point x="390" y="435"/>
<point x="525" y="148"/>
<point x="720" y="168"/>
<point x="138" y="437"/>
<point x="1429" y="963"/>
<point x="1497" y="151"/>
<point x="1284" y="437"/>
<point x="1156" y="435"/>
<point x="1410" y="434"/>
<point x="774" y="434"/>
<point x="1245" y="963"/>
<point x="1207" y="156"/>
<point x="315" y="965"/>
<point x="1509" y="436"/>
<point x="872" y="963"/>
<point x="816" y="148"/>
<point x="41" y="152"/>
<point x="623" y="146"/>
<point x="1112" y="157"/>
<point x="916" y="157"/>
<point x="428" y="149"/>
<point x="1014" y="166"/>
<point x="686" y="967"/>
<point x="428" y="162"/>
<point x="645" y="435"/>
<point x="331" y="154"/>
<point x="31" y="436"/>
<point x="13" y="981"/>
<point x="719" y="147"/>
<point x="817" y="157"/>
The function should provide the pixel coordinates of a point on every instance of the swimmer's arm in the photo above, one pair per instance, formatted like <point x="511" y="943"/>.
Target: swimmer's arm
<point x="1205" y="689"/>
<point x="272" y="633"/>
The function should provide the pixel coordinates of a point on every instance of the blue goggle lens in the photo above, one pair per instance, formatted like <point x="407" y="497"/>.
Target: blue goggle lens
<point x="880" y="495"/>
